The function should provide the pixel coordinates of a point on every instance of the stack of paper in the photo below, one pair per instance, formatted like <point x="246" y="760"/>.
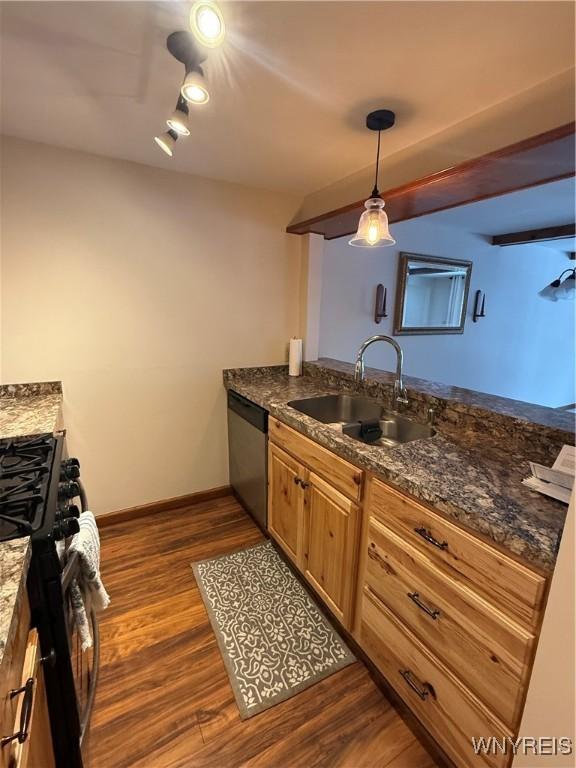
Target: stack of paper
<point x="557" y="481"/>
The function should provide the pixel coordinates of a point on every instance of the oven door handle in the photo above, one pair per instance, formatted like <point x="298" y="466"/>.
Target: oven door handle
<point x="70" y="570"/>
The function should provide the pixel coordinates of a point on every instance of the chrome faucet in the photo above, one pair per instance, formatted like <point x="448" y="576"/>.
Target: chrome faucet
<point x="399" y="391"/>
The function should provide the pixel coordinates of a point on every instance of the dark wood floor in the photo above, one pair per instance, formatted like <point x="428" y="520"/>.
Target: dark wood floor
<point x="164" y="700"/>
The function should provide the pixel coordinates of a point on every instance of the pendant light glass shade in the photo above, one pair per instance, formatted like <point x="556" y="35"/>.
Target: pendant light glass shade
<point x="207" y="23"/>
<point x="561" y="289"/>
<point x="373" y="228"/>
<point x="194" y="88"/>
<point x="549" y="292"/>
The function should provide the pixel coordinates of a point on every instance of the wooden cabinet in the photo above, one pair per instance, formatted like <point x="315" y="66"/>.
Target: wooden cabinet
<point x="476" y="640"/>
<point x="467" y="559"/>
<point x="330" y="545"/>
<point x="313" y="515"/>
<point x="436" y="696"/>
<point x="286" y="502"/>
<point x="24" y="703"/>
<point x="450" y="620"/>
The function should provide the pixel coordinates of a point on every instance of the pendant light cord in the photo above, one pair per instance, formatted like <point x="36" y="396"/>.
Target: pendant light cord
<point x="376" y="191"/>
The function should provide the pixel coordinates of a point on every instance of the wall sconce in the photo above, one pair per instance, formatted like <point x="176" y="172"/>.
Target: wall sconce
<point x="479" y="306"/>
<point x="561" y="288"/>
<point x="380" y="307"/>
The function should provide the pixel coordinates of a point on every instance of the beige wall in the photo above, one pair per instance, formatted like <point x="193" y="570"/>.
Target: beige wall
<point x="546" y="106"/>
<point x="136" y="286"/>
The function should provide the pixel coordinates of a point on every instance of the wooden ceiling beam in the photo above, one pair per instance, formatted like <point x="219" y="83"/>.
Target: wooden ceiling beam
<point x="561" y="232"/>
<point x="541" y="159"/>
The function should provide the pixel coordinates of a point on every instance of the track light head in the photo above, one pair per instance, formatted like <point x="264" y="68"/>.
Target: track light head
<point x="178" y="120"/>
<point x="207" y="23"/>
<point x="194" y="88"/>
<point x="166" y="141"/>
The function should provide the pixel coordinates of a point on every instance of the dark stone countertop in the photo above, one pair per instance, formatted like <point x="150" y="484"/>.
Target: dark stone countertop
<point x="25" y="410"/>
<point x="476" y="482"/>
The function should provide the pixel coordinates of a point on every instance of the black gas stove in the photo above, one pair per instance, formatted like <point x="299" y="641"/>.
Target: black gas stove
<point x="38" y="487"/>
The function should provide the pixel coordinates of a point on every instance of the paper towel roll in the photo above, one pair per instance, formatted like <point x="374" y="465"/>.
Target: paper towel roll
<point x="295" y="358"/>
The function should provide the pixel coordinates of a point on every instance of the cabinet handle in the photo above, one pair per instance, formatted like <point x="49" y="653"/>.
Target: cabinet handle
<point x="422" y="692"/>
<point x="432" y="612"/>
<point x="26" y="713"/>
<point x="427" y="536"/>
<point x="297" y="481"/>
<point x="304" y="484"/>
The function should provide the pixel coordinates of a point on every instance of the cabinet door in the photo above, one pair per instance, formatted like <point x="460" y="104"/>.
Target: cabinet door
<point x="36" y="750"/>
<point x="331" y="546"/>
<point x="286" y="479"/>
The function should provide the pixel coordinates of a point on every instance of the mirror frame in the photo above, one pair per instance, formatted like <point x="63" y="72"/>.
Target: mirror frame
<point x="401" y="282"/>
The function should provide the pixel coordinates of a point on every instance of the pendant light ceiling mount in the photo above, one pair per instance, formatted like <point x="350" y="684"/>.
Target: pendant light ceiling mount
<point x="373" y="225"/>
<point x="380" y="120"/>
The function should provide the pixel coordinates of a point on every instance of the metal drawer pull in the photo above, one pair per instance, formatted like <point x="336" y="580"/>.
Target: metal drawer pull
<point x="22" y="734"/>
<point x="301" y="483"/>
<point x="422" y="692"/>
<point x="432" y="612"/>
<point x="427" y="536"/>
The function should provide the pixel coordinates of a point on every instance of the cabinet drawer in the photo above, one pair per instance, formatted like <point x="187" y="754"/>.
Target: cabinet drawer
<point x="339" y="473"/>
<point x="446" y="708"/>
<point x="509" y="585"/>
<point x="487" y="651"/>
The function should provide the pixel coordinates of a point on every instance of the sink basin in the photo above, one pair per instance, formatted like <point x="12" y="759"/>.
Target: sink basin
<point x="346" y="412"/>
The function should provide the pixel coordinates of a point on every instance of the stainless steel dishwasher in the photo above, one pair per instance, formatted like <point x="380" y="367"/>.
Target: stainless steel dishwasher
<point x="247" y="449"/>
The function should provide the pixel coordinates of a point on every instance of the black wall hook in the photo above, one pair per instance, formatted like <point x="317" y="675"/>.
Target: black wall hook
<point x="479" y="306"/>
<point x="380" y="307"/>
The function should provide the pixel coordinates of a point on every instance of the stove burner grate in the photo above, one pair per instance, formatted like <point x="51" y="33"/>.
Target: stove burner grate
<point x="25" y="466"/>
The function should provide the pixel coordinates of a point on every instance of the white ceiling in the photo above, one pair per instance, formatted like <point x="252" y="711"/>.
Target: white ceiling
<point x="290" y="88"/>
<point x="547" y="205"/>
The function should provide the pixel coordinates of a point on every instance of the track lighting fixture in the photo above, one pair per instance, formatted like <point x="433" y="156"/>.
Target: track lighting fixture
<point x="207" y="23"/>
<point x="166" y="141"/>
<point x="194" y="88"/>
<point x="373" y="225"/>
<point x="178" y="121"/>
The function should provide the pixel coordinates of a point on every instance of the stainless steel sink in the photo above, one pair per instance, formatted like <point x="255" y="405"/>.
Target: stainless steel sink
<point x="348" y="413"/>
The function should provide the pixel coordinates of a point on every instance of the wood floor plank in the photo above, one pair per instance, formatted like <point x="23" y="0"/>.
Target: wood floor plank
<point x="164" y="699"/>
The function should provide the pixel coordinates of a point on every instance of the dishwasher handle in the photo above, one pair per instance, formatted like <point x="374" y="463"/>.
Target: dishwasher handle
<point x="248" y="410"/>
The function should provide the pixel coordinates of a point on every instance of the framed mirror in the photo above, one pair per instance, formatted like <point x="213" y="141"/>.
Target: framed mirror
<point x="431" y="295"/>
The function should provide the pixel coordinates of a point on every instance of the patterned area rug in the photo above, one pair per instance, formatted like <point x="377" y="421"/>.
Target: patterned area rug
<point x="274" y="639"/>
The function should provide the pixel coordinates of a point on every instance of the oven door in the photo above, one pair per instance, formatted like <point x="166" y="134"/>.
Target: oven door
<point x="85" y="664"/>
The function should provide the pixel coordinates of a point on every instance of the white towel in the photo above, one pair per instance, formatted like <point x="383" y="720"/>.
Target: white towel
<point x="88" y="591"/>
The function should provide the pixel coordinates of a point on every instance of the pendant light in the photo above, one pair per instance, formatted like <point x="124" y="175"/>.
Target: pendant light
<point x="373" y="230"/>
<point x="559" y="288"/>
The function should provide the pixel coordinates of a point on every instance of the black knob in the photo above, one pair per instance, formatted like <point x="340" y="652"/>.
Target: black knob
<point x="72" y="511"/>
<point x="70" y="469"/>
<point x="69" y="527"/>
<point x="68" y="490"/>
